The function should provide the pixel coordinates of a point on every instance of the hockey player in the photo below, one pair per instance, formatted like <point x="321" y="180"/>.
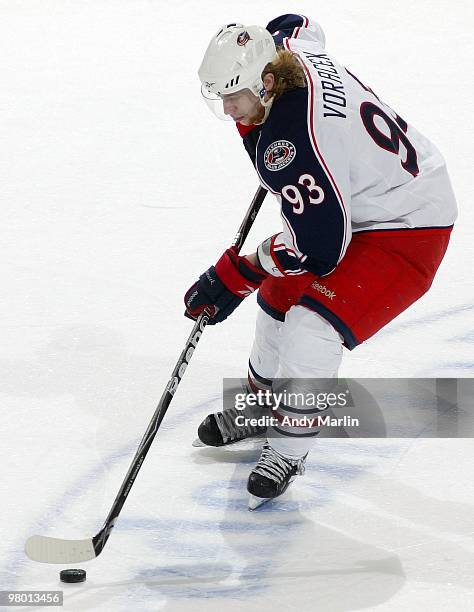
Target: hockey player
<point x="367" y="211"/>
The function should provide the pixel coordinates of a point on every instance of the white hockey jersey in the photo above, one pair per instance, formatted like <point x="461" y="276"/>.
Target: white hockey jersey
<point x="341" y="161"/>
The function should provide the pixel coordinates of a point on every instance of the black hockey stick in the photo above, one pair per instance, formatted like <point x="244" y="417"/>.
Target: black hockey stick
<point x="55" y="550"/>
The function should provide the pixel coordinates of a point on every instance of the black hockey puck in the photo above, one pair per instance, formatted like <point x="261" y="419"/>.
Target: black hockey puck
<point x="72" y="575"/>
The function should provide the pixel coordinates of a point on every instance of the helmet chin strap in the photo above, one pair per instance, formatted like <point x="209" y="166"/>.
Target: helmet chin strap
<point x="267" y="105"/>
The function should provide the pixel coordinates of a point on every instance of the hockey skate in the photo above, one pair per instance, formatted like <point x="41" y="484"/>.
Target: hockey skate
<point x="220" y="428"/>
<point x="272" y="476"/>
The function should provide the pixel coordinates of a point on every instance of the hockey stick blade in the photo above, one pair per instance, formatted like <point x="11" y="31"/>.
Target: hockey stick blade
<point x="54" y="550"/>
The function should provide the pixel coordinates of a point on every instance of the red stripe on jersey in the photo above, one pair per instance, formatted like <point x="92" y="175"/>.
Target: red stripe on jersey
<point x="252" y="385"/>
<point x="272" y="253"/>
<point x="297" y="30"/>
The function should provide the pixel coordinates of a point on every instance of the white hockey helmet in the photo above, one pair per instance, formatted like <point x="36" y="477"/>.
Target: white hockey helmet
<point x="234" y="60"/>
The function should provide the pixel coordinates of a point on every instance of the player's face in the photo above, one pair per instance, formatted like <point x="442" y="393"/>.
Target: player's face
<point x="241" y="106"/>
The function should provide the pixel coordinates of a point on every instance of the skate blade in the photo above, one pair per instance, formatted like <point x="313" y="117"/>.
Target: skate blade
<point x="257" y="502"/>
<point x="198" y="444"/>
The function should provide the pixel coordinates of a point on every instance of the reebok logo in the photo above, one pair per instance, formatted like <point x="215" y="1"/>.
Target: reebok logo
<point x="324" y="290"/>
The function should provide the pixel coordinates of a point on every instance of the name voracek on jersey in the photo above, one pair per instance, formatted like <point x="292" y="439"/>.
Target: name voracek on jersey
<point x="330" y="80"/>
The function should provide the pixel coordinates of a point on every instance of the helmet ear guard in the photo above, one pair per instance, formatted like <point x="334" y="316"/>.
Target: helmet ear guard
<point x="235" y="59"/>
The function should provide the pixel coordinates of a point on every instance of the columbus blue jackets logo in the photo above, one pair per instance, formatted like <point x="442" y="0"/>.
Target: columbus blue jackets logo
<point x="279" y="154"/>
<point x="243" y="38"/>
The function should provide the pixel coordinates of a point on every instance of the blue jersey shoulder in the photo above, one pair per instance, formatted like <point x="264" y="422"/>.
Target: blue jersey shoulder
<point x="284" y="26"/>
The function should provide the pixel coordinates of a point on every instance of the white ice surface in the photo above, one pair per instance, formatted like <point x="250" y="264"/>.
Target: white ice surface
<point x="117" y="189"/>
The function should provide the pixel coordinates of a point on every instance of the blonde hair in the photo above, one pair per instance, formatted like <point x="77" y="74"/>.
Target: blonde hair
<point x="287" y="71"/>
<point x="288" y="75"/>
